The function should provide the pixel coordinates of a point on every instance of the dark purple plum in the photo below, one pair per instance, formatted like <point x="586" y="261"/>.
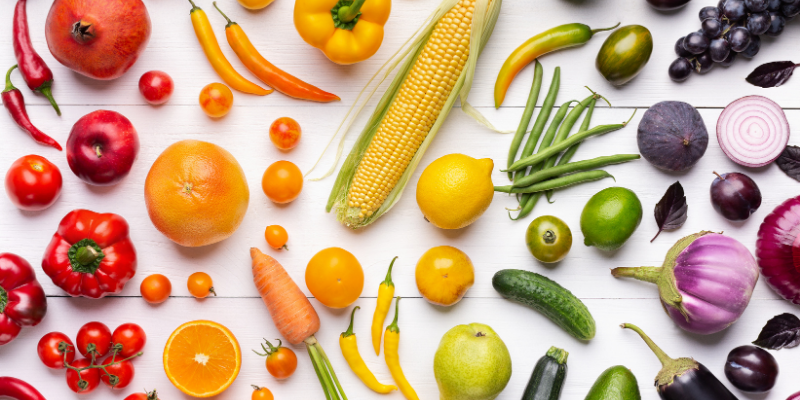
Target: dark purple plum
<point x="735" y="196"/>
<point x="711" y="12"/>
<point x="777" y="22"/>
<point x="680" y="69"/>
<point x="672" y="135"/>
<point x="734" y="10"/>
<point x="667" y="4"/>
<point x="751" y="369"/>
<point x="680" y="50"/>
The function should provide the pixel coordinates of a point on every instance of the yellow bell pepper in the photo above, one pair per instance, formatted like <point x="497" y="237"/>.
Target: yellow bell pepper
<point x="346" y="31"/>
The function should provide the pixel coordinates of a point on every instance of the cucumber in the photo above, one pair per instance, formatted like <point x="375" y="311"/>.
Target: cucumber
<point x="548" y="376"/>
<point x="615" y="383"/>
<point x="547" y="297"/>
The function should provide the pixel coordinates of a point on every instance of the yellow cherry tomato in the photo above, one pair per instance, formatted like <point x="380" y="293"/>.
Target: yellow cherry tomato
<point x="261" y="393"/>
<point x="276" y="237"/>
<point x="255" y="4"/>
<point x="334" y="276"/>
<point x="216" y="100"/>
<point x="155" y="288"/>
<point x="285" y="133"/>
<point x="282" y="182"/>
<point x="200" y="285"/>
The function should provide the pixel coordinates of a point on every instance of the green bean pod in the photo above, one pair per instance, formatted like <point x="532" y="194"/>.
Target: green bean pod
<point x="541" y="120"/>
<point x="533" y="97"/>
<point x="568" y="168"/>
<point x="560" y="182"/>
<point x="566" y="127"/>
<point x="567" y="156"/>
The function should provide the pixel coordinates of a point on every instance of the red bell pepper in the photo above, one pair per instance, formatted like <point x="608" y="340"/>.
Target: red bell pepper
<point x="17" y="389"/>
<point x="90" y="254"/>
<point x="22" y="299"/>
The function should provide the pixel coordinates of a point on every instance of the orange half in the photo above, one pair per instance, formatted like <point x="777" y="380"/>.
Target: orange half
<point x="202" y="358"/>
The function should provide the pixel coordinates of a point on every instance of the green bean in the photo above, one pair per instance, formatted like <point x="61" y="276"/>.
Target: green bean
<point x="544" y="115"/>
<point x="564" y="130"/>
<point x="583" y="165"/>
<point x="533" y="97"/>
<point x="527" y="205"/>
<point x="560" y="182"/>
<point x="584" y="127"/>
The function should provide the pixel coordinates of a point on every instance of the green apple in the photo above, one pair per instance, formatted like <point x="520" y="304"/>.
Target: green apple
<point x="471" y="363"/>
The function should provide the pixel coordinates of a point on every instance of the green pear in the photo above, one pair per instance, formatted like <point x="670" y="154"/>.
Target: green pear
<point x="471" y="363"/>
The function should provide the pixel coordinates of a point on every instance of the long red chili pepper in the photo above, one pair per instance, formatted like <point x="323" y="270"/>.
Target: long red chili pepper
<point x="18" y="389"/>
<point x="15" y="103"/>
<point x="35" y="72"/>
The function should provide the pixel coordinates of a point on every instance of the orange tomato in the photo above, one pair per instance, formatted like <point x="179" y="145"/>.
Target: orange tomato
<point x="155" y="288"/>
<point x="216" y="100"/>
<point x="334" y="277"/>
<point x="276" y="237"/>
<point x="282" y="182"/>
<point x="281" y="361"/>
<point x="261" y="393"/>
<point x="285" y="133"/>
<point x="200" y="285"/>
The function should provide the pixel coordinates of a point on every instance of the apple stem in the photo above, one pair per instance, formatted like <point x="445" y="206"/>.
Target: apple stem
<point x="98" y="151"/>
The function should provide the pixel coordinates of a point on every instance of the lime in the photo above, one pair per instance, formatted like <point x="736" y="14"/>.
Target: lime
<point x="610" y="218"/>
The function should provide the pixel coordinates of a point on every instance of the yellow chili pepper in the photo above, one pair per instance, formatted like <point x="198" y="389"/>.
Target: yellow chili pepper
<point x="202" y="28"/>
<point x="347" y="341"/>
<point x="346" y="31"/>
<point x="385" y="296"/>
<point x="391" y="345"/>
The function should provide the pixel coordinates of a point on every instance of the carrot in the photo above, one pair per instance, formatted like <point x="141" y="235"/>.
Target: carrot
<point x="294" y="316"/>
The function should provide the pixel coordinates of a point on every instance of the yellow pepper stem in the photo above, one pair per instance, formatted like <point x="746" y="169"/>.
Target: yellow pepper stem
<point x="194" y="7"/>
<point x="349" y="331"/>
<point x="388" y="280"/>
<point x="349" y="13"/>
<point x="225" y="16"/>
<point x="394" y="327"/>
<point x="346" y="12"/>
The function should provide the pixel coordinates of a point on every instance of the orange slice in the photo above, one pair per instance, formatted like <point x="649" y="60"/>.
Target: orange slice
<point x="202" y="358"/>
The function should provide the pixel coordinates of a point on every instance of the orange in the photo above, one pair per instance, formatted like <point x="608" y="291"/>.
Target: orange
<point x="282" y="182"/>
<point x="202" y="358"/>
<point x="196" y="193"/>
<point x="334" y="277"/>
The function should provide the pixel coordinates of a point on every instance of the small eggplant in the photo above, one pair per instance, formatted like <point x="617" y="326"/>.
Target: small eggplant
<point x="684" y="378"/>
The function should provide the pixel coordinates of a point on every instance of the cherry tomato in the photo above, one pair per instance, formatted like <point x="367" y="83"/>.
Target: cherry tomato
<point x="276" y="237"/>
<point x="260" y="393"/>
<point x="143" y="396"/>
<point x="97" y="334"/>
<point x="200" y="285"/>
<point x="156" y="87"/>
<point x="122" y="371"/>
<point x="281" y="361"/>
<point x="285" y="133"/>
<point x="88" y="380"/>
<point x="51" y="352"/>
<point x="155" y="288"/>
<point x="33" y="183"/>
<point x="216" y="100"/>
<point x="131" y="337"/>
<point x="282" y="182"/>
<point x="334" y="276"/>
<point x="549" y="239"/>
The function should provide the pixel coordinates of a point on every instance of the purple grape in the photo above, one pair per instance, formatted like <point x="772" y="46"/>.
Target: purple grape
<point x="734" y="10"/>
<point x="710" y="12"/>
<point x="680" y="69"/>
<point x="753" y="48"/>
<point x="777" y="22"/>
<point x="696" y="43"/>
<point x="756" y="5"/>
<point x="774" y="5"/>
<point x="719" y="49"/>
<point x="735" y="196"/>
<point x="703" y="63"/>
<point x="758" y="23"/>
<point x="680" y="50"/>
<point x="790" y="10"/>
<point x="751" y="369"/>
<point x="728" y="61"/>
<point x="720" y="4"/>
<point x="787" y="1"/>
<point x="740" y="38"/>
<point x="712" y="27"/>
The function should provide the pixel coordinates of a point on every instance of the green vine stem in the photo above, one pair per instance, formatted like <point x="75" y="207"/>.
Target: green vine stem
<point x="66" y="348"/>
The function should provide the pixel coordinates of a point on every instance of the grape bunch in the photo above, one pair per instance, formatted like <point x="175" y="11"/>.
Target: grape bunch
<point x="733" y="27"/>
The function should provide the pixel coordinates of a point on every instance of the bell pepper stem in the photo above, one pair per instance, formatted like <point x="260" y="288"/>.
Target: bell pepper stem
<point x="3" y="299"/>
<point x="86" y="255"/>
<point x="9" y="85"/>
<point x="349" y="331"/>
<point x="349" y="13"/>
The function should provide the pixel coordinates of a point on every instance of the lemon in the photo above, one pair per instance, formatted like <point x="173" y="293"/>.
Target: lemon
<point x="455" y="190"/>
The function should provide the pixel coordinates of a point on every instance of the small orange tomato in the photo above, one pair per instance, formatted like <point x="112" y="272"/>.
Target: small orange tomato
<point x="261" y="393"/>
<point x="334" y="277"/>
<point x="284" y="133"/>
<point x="281" y="361"/>
<point x="155" y="288"/>
<point x="216" y="99"/>
<point x="276" y="237"/>
<point x="282" y="182"/>
<point x="200" y="285"/>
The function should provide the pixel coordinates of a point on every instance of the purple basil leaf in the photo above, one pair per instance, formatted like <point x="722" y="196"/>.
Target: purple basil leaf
<point x="671" y="210"/>
<point x="779" y="332"/>
<point x="789" y="162"/>
<point x="771" y="74"/>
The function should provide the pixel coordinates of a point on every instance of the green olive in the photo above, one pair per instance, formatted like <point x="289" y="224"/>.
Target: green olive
<point x="549" y="239"/>
<point x="624" y="53"/>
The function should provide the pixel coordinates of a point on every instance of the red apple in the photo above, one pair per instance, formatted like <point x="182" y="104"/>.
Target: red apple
<point x="156" y="87"/>
<point x="97" y="38"/>
<point x="101" y="147"/>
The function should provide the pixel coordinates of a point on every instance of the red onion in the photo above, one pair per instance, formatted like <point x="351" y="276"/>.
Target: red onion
<point x="778" y="249"/>
<point x="795" y="396"/>
<point x="753" y="131"/>
<point x="705" y="282"/>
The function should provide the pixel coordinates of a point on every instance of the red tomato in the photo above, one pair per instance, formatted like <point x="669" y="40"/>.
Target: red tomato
<point x="156" y="87"/>
<point x="33" y="183"/>
<point x="143" y="396"/>
<point x="96" y="334"/>
<point x="89" y="378"/>
<point x="216" y="100"/>
<point x="131" y="337"/>
<point x="118" y="375"/>
<point x="285" y="133"/>
<point x="281" y="361"/>
<point x="50" y="350"/>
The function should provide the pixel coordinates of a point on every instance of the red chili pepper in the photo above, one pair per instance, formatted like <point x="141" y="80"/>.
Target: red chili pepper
<point x="15" y="103"/>
<point x="17" y="389"/>
<point x="22" y="299"/>
<point x="35" y="72"/>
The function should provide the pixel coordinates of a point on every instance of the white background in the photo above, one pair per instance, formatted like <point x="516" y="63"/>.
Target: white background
<point x="493" y="242"/>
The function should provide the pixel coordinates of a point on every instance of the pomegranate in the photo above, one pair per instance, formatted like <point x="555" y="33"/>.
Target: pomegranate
<point x="97" y="38"/>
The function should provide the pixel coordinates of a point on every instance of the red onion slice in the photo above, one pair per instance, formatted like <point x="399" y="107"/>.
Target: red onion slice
<point x="753" y="131"/>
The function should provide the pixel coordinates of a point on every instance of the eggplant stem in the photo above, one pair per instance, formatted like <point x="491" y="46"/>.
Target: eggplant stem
<point x="647" y="274"/>
<point x="660" y="354"/>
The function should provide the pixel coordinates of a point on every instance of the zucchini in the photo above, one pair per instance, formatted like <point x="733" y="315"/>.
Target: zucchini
<point x="547" y="297"/>
<point x="548" y="376"/>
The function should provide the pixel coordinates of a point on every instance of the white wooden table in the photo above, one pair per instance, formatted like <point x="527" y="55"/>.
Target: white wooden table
<point x="493" y="242"/>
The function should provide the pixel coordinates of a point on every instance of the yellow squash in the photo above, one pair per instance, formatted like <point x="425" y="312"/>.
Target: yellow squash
<point x="347" y="341"/>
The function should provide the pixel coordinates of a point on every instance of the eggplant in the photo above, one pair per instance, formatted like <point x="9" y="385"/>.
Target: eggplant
<point x="684" y="378"/>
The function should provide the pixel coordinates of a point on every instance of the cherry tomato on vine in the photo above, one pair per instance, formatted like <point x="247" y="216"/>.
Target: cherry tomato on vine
<point x="281" y="361"/>
<point x="276" y="237"/>
<point x="285" y="133"/>
<point x="282" y="182"/>
<point x="216" y="100"/>
<point x="33" y="183"/>
<point x="122" y="371"/>
<point x="549" y="239"/>
<point x="131" y="337"/>
<point x="200" y="285"/>
<point x="260" y="393"/>
<point x="52" y="353"/>
<point x="155" y="288"/>
<point x="143" y="396"/>
<point x="90" y="377"/>
<point x="96" y="333"/>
